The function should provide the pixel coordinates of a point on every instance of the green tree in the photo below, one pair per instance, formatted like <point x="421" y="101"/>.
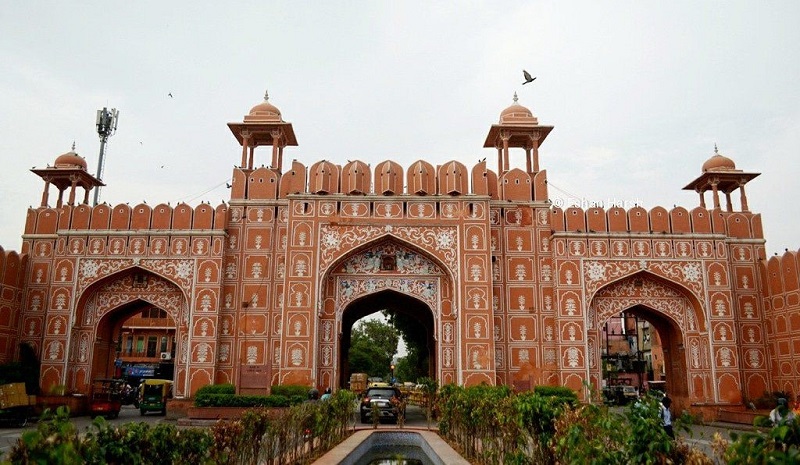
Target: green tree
<point x="415" y="364"/>
<point x="373" y="345"/>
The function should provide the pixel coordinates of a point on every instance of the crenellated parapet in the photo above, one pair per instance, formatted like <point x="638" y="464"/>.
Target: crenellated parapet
<point x="12" y="282"/>
<point x="115" y="220"/>
<point x="518" y="130"/>
<point x="781" y="291"/>
<point x="658" y="220"/>
<point x="388" y="178"/>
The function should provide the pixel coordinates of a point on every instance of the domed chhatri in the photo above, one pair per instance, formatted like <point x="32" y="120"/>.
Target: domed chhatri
<point x="264" y="111"/>
<point x="517" y="114"/>
<point x="718" y="162"/>
<point x="68" y="173"/>
<point x="71" y="160"/>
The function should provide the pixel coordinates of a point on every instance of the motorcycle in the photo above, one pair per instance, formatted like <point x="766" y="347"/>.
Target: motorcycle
<point x="130" y="396"/>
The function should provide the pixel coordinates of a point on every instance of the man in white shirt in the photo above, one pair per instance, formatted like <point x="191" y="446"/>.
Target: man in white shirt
<point x="666" y="416"/>
<point x="781" y="413"/>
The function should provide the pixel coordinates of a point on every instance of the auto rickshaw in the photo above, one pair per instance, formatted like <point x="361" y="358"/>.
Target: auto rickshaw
<point x="106" y="397"/>
<point x="153" y="395"/>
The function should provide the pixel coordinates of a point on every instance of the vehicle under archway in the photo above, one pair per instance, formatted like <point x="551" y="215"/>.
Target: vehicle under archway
<point x="135" y="341"/>
<point x="635" y="352"/>
<point x="672" y="313"/>
<point x="412" y="312"/>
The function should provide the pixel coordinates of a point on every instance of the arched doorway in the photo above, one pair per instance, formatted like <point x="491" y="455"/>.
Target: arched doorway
<point x="637" y="347"/>
<point x="386" y="273"/>
<point x="98" y="336"/>
<point x="395" y="302"/>
<point x="673" y="315"/>
<point x="137" y="340"/>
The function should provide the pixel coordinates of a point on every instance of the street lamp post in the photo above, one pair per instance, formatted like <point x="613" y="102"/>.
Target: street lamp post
<point x="392" y="373"/>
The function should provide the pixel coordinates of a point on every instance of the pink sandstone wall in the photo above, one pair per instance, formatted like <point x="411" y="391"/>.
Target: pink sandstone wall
<point x="12" y="269"/>
<point x="782" y="304"/>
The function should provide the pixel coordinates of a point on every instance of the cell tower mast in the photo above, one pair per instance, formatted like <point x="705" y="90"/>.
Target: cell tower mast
<point x="106" y="127"/>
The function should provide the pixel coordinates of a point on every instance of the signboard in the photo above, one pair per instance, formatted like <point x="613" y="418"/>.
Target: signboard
<point x="255" y="379"/>
<point x="140" y="372"/>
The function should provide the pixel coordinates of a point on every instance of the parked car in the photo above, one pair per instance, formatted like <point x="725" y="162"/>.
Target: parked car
<point x="386" y="399"/>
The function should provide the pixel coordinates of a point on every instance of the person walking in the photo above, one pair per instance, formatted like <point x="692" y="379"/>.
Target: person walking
<point x="781" y="413"/>
<point x="666" y="416"/>
<point x="326" y="395"/>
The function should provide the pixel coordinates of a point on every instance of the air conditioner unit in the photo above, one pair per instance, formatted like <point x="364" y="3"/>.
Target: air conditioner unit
<point x="166" y="356"/>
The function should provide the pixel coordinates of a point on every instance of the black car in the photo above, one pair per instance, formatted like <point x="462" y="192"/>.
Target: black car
<point x="387" y="399"/>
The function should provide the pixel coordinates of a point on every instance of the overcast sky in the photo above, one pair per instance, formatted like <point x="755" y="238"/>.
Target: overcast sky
<point x="639" y="92"/>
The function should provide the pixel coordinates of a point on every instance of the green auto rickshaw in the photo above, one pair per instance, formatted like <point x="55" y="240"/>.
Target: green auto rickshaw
<point x="153" y="395"/>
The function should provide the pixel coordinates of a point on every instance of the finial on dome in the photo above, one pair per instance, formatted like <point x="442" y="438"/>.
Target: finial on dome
<point x="716" y="150"/>
<point x="515" y="98"/>
<point x="73" y="146"/>
<point x="266" y="96"/>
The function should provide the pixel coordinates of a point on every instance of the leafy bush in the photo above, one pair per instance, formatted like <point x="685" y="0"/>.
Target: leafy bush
<point x="55" y="440"/>
<point x="762" y="421"/>
<point x="295" y="436"/>
<point x="561" y="392"/>
<point x="492" y="425"/>
<point x="232" y="400"/>
<point x="224" y="395"/>
<point x="216" y="389"/>
<point x="780" y="444"/>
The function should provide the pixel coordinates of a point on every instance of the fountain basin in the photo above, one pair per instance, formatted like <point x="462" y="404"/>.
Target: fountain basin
<point x="368" y="446"/>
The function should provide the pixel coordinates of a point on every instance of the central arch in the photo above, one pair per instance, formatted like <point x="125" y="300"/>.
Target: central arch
<point x="386" y="274"/>
<point x="393" y="301"/>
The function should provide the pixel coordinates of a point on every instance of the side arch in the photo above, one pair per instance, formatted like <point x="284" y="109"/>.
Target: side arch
<point x="114" y="298"/>
<point x="601" y="275"/>
<point x="676" y="317"/>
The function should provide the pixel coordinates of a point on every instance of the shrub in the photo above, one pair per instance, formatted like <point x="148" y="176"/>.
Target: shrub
<point x="290" y="390"/>
<point x="55" y="440"/>
<point x="232" y="400"/>
<point x="762" y="421"/>
<point x="216" y="389"/>
<point x="296" y="435"/>
<point x="224" y="395"/>
<point x="780" y="445"/>
<point x="567" y="395"/>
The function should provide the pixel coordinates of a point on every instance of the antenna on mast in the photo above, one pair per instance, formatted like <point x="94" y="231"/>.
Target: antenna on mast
<point x="106" y="127"/>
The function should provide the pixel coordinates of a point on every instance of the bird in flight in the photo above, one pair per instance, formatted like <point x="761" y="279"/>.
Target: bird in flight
<point x="170" y="94"/>
<point x="528" y="78"/>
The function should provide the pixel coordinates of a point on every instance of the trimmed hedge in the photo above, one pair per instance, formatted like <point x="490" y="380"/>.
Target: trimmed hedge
<point x="216" y="389"/>
<point x="224" y="395"/>
<point x="291" y="390"/>
<point x="232" y="400"/>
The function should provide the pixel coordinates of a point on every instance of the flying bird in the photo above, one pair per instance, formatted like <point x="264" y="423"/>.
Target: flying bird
<point x="228" y="185"/>
<point x="170" y="94"/>
<point x="528" y="78"/>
